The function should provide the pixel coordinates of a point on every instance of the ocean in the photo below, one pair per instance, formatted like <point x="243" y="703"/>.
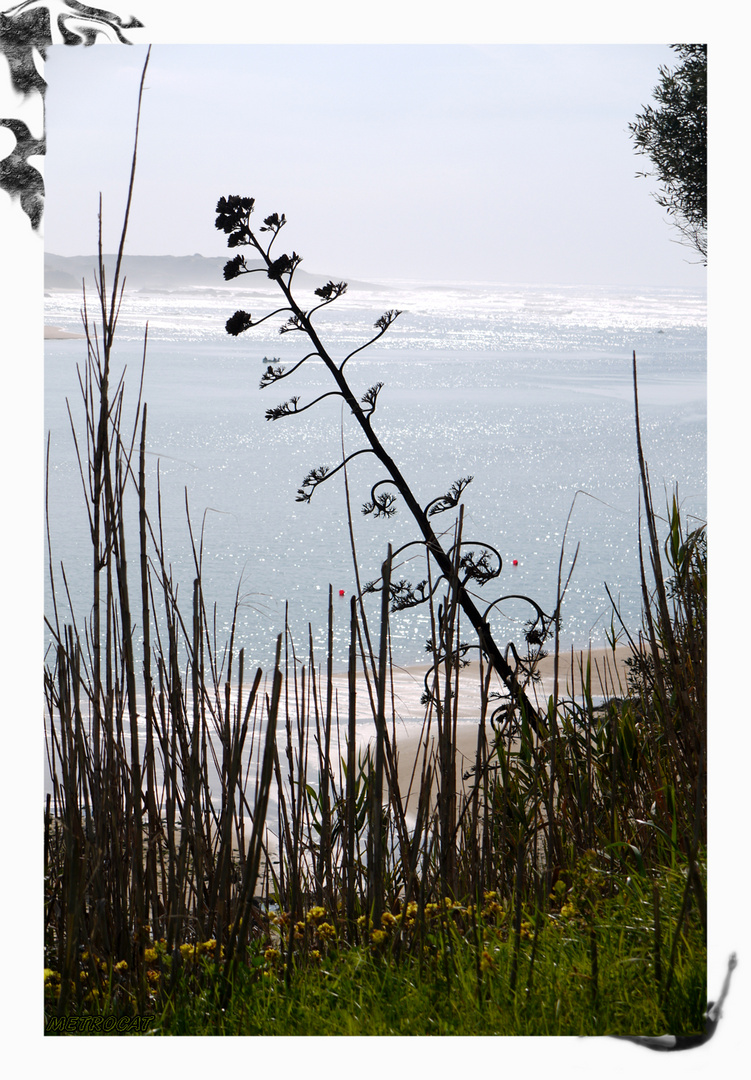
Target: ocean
<point x="528" y="389"/>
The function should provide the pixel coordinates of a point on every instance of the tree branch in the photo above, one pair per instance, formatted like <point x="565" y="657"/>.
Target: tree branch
<point x="322" y="473"/>
<point x="234" y="215"/>
<point x="289" y="408"/>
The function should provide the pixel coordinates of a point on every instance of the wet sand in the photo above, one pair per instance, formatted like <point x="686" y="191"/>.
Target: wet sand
<point x="54" y="333"/>
<point x="406" y="713"/>
<point x="608" y="679"/>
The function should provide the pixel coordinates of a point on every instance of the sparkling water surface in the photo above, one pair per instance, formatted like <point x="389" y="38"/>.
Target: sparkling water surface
<point x="527" y="389"/>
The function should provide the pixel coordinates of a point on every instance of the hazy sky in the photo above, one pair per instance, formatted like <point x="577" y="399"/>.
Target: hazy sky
<point x="477" y="162"/>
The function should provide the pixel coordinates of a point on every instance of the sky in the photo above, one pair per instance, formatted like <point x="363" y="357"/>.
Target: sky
<point x="485" y="162"/>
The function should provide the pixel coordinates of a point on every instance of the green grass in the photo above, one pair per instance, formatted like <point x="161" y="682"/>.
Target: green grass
<point x="445" y="971"/>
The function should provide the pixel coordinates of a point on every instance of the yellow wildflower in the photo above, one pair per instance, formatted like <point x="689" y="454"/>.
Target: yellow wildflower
<point x="492" y="910"/>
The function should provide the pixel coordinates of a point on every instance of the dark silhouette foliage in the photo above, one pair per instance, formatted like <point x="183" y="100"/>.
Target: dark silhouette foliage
<point x="674" y="137"/>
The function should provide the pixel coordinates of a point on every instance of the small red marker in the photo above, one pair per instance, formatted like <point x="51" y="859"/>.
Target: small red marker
<point x="516" y="562"/>
<point x="341" y="592"/>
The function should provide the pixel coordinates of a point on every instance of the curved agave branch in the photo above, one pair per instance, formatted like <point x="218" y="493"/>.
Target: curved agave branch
<point x="380" y="505"/>
<point x="403" y="593"/>
<point x="274" y="374"/>
<point x="450" y="499"/>
<point x="330" y="292"/>
<point x="406" y="595"/>
<point x="504" y="721"/>
<point x="370" y="397"/>
<point x="502" y="718"/>
<point x="285" y="264"/>
<point x="274" y="223"/>
<point x="542" y="618"/>
<point x="457" y="658"/>
<point x="382" y="324"/>
<point x="288" y="408"/>
<point x="480" y="569"/>
<point x="241" y="321"/>
<point x="237" y="266"/>
<point x="294" y="322"/>
<point x="322" y="473"/>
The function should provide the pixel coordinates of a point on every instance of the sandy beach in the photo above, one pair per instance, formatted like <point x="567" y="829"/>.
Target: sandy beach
<point x="406" y="714"/>
<point x="608" y="675"/>
<point x="54" y="333"/>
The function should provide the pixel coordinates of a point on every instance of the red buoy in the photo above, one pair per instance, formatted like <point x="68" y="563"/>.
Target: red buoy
<point x="341" y="592"/>
<point x="516" y="562"/>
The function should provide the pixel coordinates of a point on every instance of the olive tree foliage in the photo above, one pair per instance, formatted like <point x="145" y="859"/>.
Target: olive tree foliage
<point x="463" y="566"/>
<point x="673" y="135"/>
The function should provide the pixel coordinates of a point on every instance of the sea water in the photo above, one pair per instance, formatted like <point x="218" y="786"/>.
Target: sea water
<point x="528" y="389"/>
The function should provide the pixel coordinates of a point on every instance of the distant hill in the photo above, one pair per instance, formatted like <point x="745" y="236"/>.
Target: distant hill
<point x="172" y="273"/>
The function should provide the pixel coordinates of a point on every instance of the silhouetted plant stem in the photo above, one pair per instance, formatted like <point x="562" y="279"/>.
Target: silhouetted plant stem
<point x="594" y="966"/>
<point x="519" y="877"/>
<point x="234" y="214"/>
<point x="657" y="934"/>
<point x="375" y="900"/>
